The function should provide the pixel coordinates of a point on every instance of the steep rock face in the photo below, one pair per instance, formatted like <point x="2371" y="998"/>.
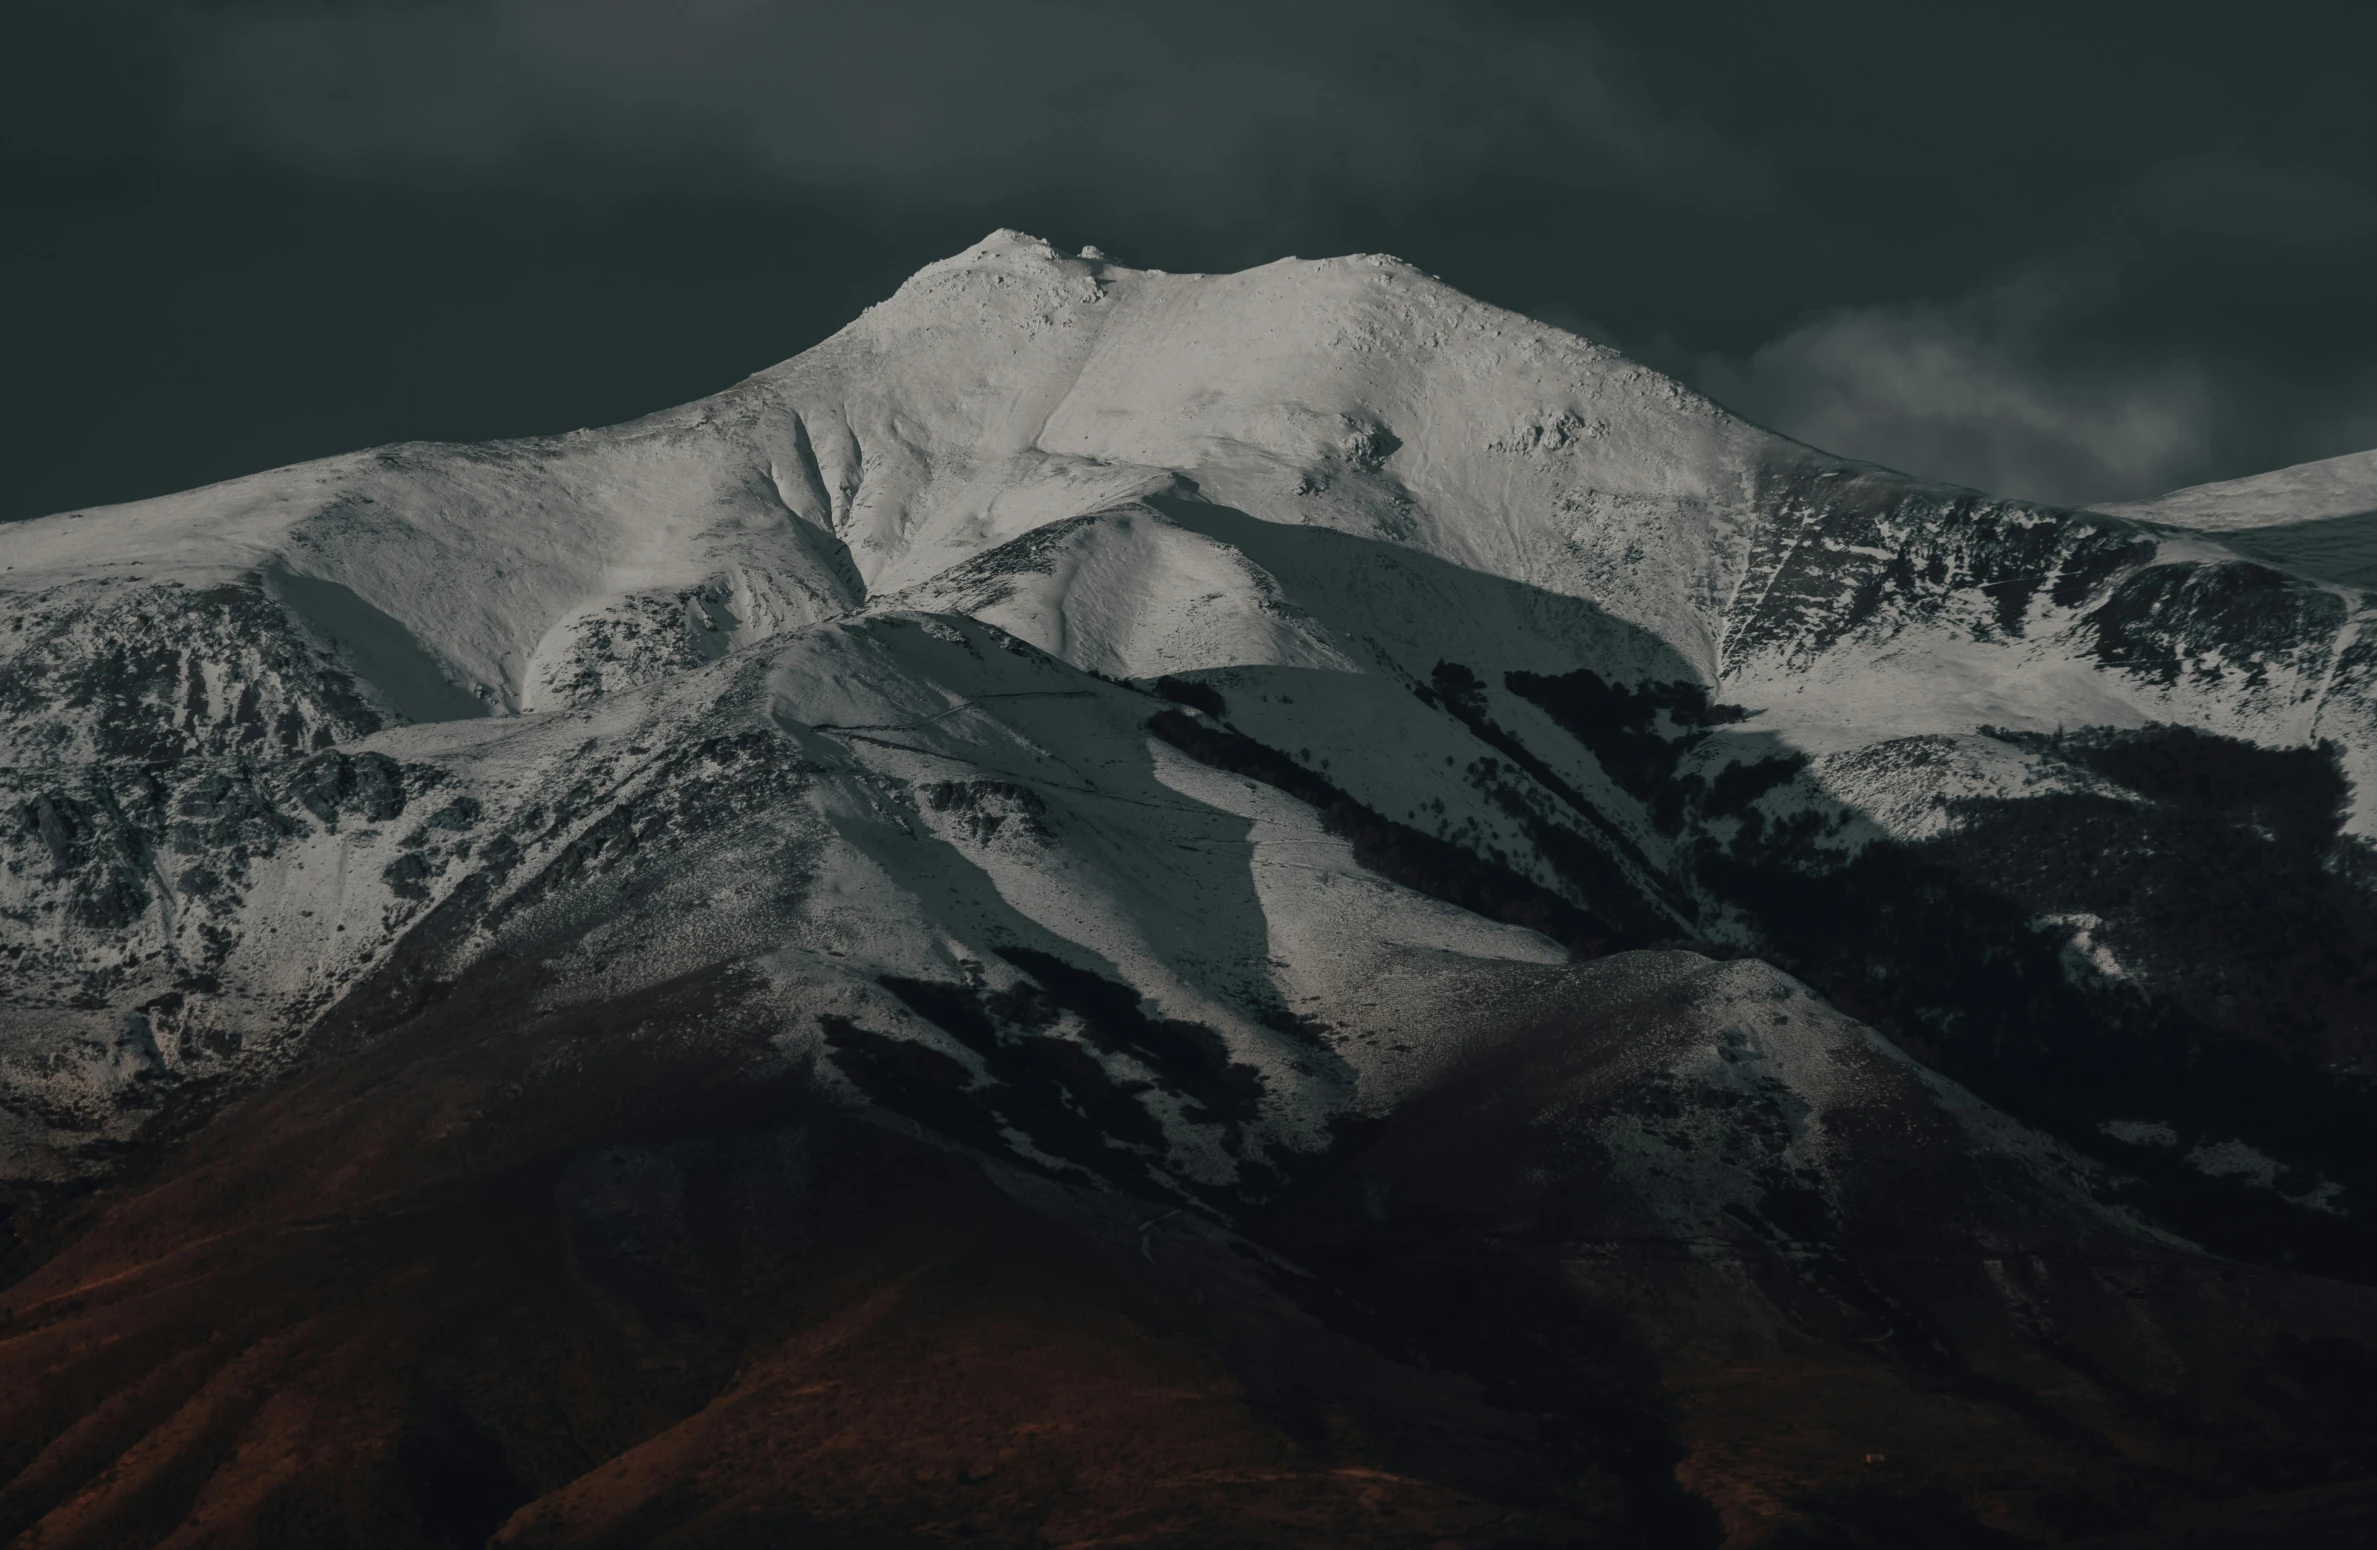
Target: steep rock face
<point x="455" y="580"/>
<point x="156" y="673"/>
<point x="1205" y="749"/>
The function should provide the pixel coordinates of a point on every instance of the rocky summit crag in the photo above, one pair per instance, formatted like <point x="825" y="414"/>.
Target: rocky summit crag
<point x="1279" y="908"/>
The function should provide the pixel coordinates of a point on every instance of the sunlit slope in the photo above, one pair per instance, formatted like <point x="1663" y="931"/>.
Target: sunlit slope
<point x="1543" y="653"/>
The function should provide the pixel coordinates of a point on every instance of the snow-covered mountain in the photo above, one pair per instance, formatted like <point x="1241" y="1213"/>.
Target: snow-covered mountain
<point x="1267" y="747"/>
<point x="2317" y="520"/>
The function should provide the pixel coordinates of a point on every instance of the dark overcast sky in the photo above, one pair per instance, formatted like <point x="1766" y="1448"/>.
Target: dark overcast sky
<point x="2069" y="251"/>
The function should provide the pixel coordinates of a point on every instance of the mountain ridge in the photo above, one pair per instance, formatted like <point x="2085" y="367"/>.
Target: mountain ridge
<point x="1253" y="749"/>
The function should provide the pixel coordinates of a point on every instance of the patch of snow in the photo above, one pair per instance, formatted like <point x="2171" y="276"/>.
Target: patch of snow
<point x="2086" y="960"/>
<point x="2140" y="1132"/>
<point x="821" y="679"/>
<point x="2332" y="487"/>
<point x="2233" y="1159"/>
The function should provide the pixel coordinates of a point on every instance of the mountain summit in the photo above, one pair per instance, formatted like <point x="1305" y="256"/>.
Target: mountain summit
<point x="1270" y="908"/>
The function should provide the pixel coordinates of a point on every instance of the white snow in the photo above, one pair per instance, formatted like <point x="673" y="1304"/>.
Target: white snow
<point x="2086" y="960"/>
<point x="2233" y="1159"/>
<point x="2317" y="520"/>
<point x="2333" y="487"/>
<point x="902" y="556"/>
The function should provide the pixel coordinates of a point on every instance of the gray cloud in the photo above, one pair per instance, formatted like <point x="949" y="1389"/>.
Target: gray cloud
<point x="2191" y="233"/>
<point x="1234" y="117"/>
<point x="1973" y="394"/>
<point x="2047" y="387"/>
<point x="1227" y="111"/>
<point x="2229" y="205"/>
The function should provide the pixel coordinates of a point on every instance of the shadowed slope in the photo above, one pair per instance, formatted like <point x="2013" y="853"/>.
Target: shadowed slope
<point x="663" y="1295"/>
<point x="1030" y="948"/>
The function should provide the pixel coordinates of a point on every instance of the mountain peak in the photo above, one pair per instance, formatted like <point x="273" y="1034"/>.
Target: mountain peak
<point x="1259" y="792"/>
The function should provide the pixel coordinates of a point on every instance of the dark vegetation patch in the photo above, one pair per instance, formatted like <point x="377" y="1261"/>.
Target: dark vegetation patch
<point x="1309" y="1031"/>
<point x="2210" y="621"/>
<point x="1190" y="1058"/>
<point x="914" y="1079"/>
<point x="1734" y="792"/>
<point x="1581" y="862"/>
<point x="2226" y="888"/>
<point x="2231" y="888"/>
<point x="1591" y="865"/>
<point x="2301" y="789"/>
<point x="1200" y="696"/>
<point x="1046" y="1086"/>
<point x="1039" y="1043"/>
<point x="2221" y="878"/>
<point x="1639" y="734"/>
<point x="1395" y="851"/>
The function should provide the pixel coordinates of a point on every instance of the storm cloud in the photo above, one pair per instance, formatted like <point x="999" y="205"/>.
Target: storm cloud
<point x="1232" y="114"/>
<point x="2070" y="257"/>
<point x="929" y="99"/>
<point x="1970" y="394"/>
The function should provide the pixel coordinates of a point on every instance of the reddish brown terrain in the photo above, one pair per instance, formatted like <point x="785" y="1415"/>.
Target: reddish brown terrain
<point x="432" y="1297"/>
<point x="457" y="1289"/>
